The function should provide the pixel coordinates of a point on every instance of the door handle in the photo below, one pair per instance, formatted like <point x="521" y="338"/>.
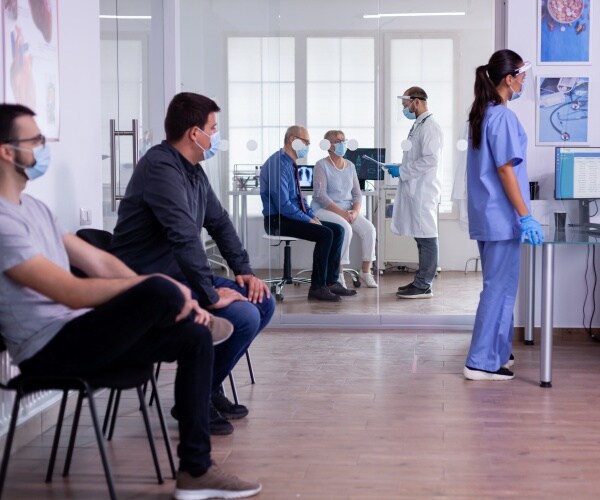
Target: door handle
<point x="114" y="133"/>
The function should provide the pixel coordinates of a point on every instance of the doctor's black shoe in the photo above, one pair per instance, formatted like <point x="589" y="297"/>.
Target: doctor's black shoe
<point x="412" y="292"/>
<point x="323" y="293"/>
<point x="340" y="290"/>
<point x="477" y="374"/>
<point x="405" y="287"/>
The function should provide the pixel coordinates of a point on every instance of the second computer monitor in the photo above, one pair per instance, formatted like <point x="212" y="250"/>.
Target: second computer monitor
<point x="366" y="168"/>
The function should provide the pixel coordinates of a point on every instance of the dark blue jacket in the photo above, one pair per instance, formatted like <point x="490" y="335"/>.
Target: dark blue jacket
<point x="167" y="202"/>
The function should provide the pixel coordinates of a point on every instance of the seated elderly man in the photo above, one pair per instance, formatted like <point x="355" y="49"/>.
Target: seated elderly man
<point x="287" y="213"/>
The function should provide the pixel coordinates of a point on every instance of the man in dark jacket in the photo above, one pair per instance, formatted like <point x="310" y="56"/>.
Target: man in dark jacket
<point x="167" y="203"/>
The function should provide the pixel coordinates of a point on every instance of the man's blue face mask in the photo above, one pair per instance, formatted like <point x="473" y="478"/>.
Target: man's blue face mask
<point x="215" y="140"/>
<point x="41" y="155"/>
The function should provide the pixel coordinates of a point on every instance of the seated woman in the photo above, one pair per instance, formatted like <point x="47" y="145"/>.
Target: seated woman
<point x="337" y="198"/>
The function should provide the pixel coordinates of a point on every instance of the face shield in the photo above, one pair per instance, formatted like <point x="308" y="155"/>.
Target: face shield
<point x="528" y="87"/>
<point x="401" y="101"/>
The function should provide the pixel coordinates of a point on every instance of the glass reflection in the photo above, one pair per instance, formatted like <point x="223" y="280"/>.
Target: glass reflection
<point x="275" y="64"/>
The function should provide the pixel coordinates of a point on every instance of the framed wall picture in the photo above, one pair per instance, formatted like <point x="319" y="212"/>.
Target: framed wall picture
<point x="562" y="110"/>
<point x="564" y="31"/>
<point x="31" y="74"/>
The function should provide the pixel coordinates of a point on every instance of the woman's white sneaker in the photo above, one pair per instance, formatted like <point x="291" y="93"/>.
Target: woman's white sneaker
<point x="478" y="374"/>
<point x="368" y="279"/>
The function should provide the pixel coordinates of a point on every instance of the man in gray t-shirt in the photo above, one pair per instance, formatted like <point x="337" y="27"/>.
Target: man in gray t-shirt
<point x="56" y="323"/>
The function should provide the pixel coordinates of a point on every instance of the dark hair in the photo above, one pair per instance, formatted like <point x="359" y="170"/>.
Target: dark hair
<point x="416" y="93"/>
<point x="487" y="78"/>
<point x="187" y="110"/>
<point x="8" y="114"/>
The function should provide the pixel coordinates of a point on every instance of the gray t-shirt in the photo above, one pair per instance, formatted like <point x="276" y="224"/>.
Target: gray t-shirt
<point x="29" y="320"/>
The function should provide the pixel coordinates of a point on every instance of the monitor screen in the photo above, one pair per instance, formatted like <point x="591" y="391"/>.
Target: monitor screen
<point x="305" y="173"/>
<point x="577" y="173"/>
<point x="367" y="169"/>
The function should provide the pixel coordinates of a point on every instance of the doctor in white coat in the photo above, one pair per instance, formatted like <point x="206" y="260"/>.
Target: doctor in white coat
<point x="419" y="190"/>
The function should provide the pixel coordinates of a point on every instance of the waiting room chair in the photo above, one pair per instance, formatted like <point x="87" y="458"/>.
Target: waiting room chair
<point x="287" y="278"/>
<point x="102" y="239"/>
<point x="126" y="377"/>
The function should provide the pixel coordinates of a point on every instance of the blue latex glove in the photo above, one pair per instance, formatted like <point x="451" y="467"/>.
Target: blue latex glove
<point x="531" y="230"/>
<point x="393" y="169"/>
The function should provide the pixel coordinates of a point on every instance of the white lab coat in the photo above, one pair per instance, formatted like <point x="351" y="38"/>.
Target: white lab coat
<point x="419" y="188"/>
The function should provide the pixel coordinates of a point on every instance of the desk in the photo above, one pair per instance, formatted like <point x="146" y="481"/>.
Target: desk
<point x="572" y="236"/>
<point x="240" y="208"/>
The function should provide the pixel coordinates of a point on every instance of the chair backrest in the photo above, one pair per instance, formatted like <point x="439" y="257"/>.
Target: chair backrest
<point x="97" y="237"/>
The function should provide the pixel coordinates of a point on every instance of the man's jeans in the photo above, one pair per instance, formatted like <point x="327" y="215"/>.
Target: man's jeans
<point x="428" y="262"/>
<point x="248" y="321"/>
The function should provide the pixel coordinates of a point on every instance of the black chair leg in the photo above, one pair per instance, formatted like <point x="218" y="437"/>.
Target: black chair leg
<point x="233" y="389"/>
<point x="109" y="405"/>
<point x="153" y="393"/>
<point x="250" y="367"/>
<point x="9" y="440"/>
<point x="101" y="447"/>
<point x="76" y="416"/>
<point x="149" y="433"/>
<point x="114" y="415"/>
<point x="59" y="423"/>
<point x="163" y="427"/>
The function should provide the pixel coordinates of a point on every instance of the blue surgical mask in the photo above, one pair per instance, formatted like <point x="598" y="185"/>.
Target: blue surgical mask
<point x="515" y="95"/>
<point x="41" y="155"/>
<point x="340" y="148"/>
<point x="215" y="140"/>
<point x="411" y="115"/>
<point x="302" y="152"/>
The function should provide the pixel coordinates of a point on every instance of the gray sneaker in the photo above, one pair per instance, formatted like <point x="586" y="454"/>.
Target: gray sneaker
<point x="214" y="483"/>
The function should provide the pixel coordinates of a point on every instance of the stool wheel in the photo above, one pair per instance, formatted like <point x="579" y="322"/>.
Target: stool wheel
<point x="356" y="282"/>
<point x="279" y="297"/>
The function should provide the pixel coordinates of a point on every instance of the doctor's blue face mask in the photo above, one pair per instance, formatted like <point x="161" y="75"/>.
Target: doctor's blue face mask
<point x="521" y="69"/>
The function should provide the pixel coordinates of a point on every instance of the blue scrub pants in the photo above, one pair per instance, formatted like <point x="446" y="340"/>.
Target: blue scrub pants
<point x="491" y="343"/>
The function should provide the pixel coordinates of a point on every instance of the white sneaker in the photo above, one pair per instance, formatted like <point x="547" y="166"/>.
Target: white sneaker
<point x="368" y="278"/>
<point x="342" y="280"/>
<point x="478" y="374"/>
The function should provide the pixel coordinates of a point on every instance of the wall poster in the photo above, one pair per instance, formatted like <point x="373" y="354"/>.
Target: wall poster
<point x="31" y="74"/>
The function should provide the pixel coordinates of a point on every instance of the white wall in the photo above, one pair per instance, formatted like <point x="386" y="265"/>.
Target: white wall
<point x="570" y="261"/>
<point x="74" y="177"/>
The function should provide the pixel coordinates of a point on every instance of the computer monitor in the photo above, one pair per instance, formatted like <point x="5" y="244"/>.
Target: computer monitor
<point x="577" y="173"/>
<point x="305" y="173"/>
<point x="577" y="177"/>
<point x="367" y="169"/>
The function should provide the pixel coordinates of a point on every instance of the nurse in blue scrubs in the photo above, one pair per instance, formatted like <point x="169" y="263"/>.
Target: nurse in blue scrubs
<point x="499" y="210"/>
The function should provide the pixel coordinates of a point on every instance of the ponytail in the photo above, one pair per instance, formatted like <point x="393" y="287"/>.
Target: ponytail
<point x="487" y="78"/>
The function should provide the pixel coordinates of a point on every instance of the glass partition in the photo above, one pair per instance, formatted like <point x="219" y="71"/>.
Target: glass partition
<point x="341" y="65"/>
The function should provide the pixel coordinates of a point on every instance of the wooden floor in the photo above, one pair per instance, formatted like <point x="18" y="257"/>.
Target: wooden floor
<point x="362" y="415"/>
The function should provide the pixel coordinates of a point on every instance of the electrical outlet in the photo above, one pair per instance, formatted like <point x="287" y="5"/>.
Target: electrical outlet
<point x="85" y="216"/>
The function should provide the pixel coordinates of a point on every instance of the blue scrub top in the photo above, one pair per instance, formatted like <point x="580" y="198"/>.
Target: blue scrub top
<point x="491" y="214"/>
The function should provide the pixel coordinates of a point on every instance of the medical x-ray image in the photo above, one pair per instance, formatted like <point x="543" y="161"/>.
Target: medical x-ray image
<point x="563" y="110"/>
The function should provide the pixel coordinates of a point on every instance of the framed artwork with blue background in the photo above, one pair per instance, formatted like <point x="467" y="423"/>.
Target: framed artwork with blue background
<point x="562" y="110"/>
<point x="564" y="31"/>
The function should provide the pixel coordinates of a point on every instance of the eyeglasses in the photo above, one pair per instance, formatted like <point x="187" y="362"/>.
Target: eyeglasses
<point x="38" y="138"/>
<point x="305" y="141"/>
<point x="340" y="141"/>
